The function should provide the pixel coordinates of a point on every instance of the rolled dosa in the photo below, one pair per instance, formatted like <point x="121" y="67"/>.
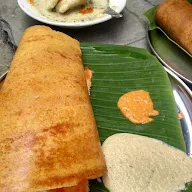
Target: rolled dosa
<point x="50" y="4"/>
<point x="65" y="5"/>
<point x="81" y="187"/>
<point x="175" y="18"/>
<point x="48" y="134"/>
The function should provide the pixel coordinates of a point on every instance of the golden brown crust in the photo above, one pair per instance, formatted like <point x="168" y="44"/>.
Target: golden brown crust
<point x="48" y="132"/>
<point x="81" y="187"/>
<point x="175" y="18"/>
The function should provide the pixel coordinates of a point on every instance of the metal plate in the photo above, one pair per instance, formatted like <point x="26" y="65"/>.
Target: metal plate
<point x="183" y="98"/>
<point x="170" y="54"/>
<point x="34" y="13"/>
<point x="7" y="46"/>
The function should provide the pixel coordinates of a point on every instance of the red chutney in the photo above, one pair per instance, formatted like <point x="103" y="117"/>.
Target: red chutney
<point x="31" y="1"/>
<point x="88" y="76"/>
<point x="137" y="106"/>
<point x="87" y="9"/>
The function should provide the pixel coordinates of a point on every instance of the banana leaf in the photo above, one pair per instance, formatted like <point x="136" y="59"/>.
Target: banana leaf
<point x="118" y="70"/>
<point x="150" y="15"/>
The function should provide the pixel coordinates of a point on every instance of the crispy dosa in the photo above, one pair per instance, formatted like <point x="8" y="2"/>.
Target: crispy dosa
<point x="175" y="18"/>
<point x="48" y="134"/>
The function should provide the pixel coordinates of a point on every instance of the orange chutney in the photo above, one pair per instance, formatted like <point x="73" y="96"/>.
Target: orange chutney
<point x="88" y="76"/>
<point x="137" y="106"/>
<point x="86" y="9"/>
<point x="31" y="1"/>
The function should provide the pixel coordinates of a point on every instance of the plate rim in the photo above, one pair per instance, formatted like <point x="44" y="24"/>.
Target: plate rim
<point x="23" y="3"/>
<point x="179" y="80"/>
<point x="187" y="93"/>
<point x="162" y="61"/>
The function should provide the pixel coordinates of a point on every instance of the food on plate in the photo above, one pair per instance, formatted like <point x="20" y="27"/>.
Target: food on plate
<point x="175" y="18"/>
<point x="81" y="187"/>
<point x="30" y="1"/>
<point x="49" y="137"/>
<point x="181" y="115"/>
<point x="67" y="11"/>
<point x="87" y="9"/>
<point x="50" y="4"/>
<point x="65" y="5"/>
<point x="138" y="163"/>
<point x="61" y="6"/>
<point x="137" y="106"/>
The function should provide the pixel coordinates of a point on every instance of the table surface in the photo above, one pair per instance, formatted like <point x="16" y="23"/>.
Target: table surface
<point x="129" y="30"/>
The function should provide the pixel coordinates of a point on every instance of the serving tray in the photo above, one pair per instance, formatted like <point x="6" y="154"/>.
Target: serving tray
<point x="168" y="53"/>
<point x="183" y="99"/>
<point x="182" y="93"/>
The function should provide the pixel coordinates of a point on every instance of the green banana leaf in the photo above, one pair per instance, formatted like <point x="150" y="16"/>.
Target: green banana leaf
<point x="118" y="70"/>
<point x="150" y="15"/>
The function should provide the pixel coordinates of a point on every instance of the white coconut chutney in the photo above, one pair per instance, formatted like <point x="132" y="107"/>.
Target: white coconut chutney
<point x="72" y="15"/>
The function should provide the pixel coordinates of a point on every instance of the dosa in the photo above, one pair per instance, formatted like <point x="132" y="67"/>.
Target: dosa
<point x="175" y="18"/>
<point x="48" y="134"/>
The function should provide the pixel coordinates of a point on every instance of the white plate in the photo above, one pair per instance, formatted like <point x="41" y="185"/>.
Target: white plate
<point x="32" y="12"/>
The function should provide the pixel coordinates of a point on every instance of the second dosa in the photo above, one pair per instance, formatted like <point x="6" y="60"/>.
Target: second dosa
<point x="175" y="18"/>
<point x="48" y="134"/>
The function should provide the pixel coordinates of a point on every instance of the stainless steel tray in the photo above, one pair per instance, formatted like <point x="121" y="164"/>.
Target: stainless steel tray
<point x="170" y="55"/>
<point x="183" y="99"/>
